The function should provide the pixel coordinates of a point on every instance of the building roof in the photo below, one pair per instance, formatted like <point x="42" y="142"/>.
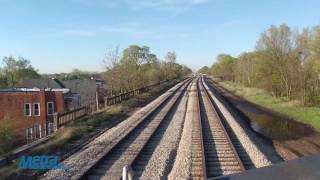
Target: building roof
<point x="20" y="90"/>
<point x="64" y="90"/>
<point x="85" y="87"/>
<point x="43" y="83"/>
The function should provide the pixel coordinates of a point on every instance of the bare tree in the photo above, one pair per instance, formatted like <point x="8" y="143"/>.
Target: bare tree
<point x="112" y="74"/>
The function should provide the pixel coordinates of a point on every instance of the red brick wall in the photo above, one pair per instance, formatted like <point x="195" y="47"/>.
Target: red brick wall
<point x="12" y="105"/>
<point x="57" y="98"/>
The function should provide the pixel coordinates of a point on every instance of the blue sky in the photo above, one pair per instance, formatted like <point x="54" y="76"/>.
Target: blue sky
<point x="59" y="35"/>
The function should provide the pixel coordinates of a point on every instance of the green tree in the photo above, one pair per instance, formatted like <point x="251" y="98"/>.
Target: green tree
<point x="285" y="63"/>
<point x="16" y="70"/>
<point x="3" y="80"/>
<point x="74" y="74"/>
<point x="224" y="67"/>
<point x="245" y="69"/>
<point x="204" y="70"/>
<point x="171" y="68"/>
<point x="313" y="69"/>
<point x="138" y="67"/>
<point x="276" y="47"/>
<point x="7" y="134"/>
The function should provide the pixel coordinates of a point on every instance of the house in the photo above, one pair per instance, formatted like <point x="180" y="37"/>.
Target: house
<point x="30" y="106"/>
<point x="31" y="111"/>
<point x="72" y="99"/>
<point x="83" y="92"/>
<point x="86" y="88"/>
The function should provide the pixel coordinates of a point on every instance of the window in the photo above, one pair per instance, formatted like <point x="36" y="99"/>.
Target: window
<point x="27" y="109"/>
<point x="50" y="108"/>
<point x="37" y="130"/>
<point x="29" y="135"/>
<point x="50" y="128"/>
<point x="36" y="109"/>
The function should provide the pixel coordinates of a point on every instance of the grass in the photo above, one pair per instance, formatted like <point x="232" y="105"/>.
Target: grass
<point x="65" y="138"/>
<point x="294" y="109"/>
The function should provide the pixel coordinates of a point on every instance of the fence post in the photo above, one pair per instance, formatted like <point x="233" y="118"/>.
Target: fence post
<point x="106" y="102"/>
<point x="55" y="122"/>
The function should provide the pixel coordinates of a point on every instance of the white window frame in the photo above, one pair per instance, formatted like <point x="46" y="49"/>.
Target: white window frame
<point x="50" y="128"/>
<point x="40" y="130"/>
<point x="37" y="127"/>
<point x="24" y="109"/>
<point x="29" y="130"/>
<point x="35" y="109"/>
<point x="51" y="102"/>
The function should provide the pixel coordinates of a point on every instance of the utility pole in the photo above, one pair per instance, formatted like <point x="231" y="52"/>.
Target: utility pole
<point x="97" y="97"/>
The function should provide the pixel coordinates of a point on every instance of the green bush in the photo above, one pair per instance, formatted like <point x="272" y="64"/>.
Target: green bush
<point x="7" y="134"/>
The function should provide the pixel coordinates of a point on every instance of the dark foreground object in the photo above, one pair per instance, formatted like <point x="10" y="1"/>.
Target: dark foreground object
<point x="302" y="168"/>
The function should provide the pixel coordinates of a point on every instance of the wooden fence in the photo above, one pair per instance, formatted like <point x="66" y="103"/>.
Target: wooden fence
<point x="126" y="95"/>
<point x="60" y="119"/>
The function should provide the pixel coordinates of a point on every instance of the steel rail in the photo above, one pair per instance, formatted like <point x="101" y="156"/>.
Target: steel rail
<point x="198" y="167"/>
<point x="123" y="152"/>
<point x="221" y="156"/>
<point x="141" y="161"/>
<point x="244" y="156"/>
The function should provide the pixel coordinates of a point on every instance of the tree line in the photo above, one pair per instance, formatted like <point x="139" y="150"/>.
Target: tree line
<point x="285" y="63"/>
<point x="14" y="70"/>
<point x="136" y="67"/>
<point x="74" y="74"/>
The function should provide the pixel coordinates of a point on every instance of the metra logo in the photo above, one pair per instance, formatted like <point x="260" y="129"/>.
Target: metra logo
<point x="40" y="162"/>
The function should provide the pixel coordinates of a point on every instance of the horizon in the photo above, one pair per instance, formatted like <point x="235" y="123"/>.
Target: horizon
<point x="55" y="35"/>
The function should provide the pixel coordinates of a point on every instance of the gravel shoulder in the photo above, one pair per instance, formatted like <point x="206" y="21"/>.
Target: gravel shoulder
<point x="163" y="157"/>
<point x="289" y="138"/>
<point x="247" y="138"/>
<point x="182" y="165"/>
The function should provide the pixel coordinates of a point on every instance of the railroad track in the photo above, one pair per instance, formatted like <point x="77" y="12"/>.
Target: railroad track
<point x="214" y="146"/>
<point x="198" y="167"/>
<point x="140" y="163"/>
<point x="213" y="153"/>
<point x="131" y="145"/>
<point x="244" y="156"/>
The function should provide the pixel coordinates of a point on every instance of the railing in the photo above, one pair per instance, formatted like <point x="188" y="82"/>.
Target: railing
<point x="60" y="119"/>
<point x="126" y="95"/>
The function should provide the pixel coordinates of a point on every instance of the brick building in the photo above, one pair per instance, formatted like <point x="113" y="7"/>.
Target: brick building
<point x="83" y="92"/>
<point x="31" y="111"/>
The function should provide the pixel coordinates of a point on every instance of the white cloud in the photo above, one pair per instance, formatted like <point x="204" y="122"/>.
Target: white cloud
<point x="165" y="4"/>
<point x="78" y="32"/>
<point x="175" y="6"/>
<point x="131" y="29"/>
<point x="235" y="23"/>
<point x="199" y="1"/>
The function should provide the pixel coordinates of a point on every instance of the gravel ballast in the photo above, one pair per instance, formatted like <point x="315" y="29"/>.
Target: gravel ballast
<point x="258" y="158"/>
<point x="172" y="158"/>
<point x="77" y="163"/>
<point x="182" y="165"/>
<point x="163" y="156"/>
